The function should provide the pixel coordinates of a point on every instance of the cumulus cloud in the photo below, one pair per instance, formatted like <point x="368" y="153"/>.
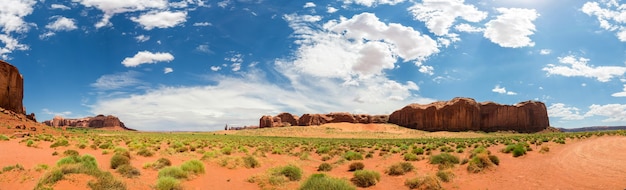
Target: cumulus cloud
<point x="330" y="9"/>
<point x="440" y="15"/>
<point x="502" y="90"/>
<point x="142" y="38"/>
<point x="117" y="81"/>
<point x="236" y="61"/>
<point x="165" y="19"/>
<point x="167" y="70"/>
<point x="560" y="110"/>
<point x="545" y="51"/>
<point x="59" y="6"/>
<point x="578" y="67"/>
<point x="113" y="7"/>
<point x="512" y="27"/>
<point x="370" y="3"/>
<point x="613" y="112"/>
<point x="215" y="68"/>
<point x="320" y="45"/>
<point x="146" y="57"/>
<point x="62" y="24"/>
<point x="309" y="5"/>
<point x="610" y="16"/>
<point x="12" y="13"/>
<point x="468" y="28"/>
<point x="204" y="48"/>
<point x="620" y="94"/>
<point x="224" y="3"/>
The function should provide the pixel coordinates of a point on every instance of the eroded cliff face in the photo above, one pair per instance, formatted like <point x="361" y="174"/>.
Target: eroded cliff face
<point x="11" y="88"/>
<point x="465" y="114"/>
<point x="99" y="121"/>
<point x="458" y="114"/>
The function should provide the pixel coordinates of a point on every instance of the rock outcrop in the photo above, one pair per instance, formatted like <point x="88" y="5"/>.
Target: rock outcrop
<point x="98" y="122"/>
<point x="458" y="114"/>
<point x="465" y="114"/>
<point x="11" y="88"/>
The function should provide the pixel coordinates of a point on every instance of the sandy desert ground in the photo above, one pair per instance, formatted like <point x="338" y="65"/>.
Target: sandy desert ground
<point x="586" y="163"/>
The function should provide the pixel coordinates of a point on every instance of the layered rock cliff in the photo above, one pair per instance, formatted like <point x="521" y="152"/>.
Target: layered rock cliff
<point x="465" y="114"/>
<point x="11" y="88"/>
<point x="99" y="122"/>
<point x="458" y="114"/>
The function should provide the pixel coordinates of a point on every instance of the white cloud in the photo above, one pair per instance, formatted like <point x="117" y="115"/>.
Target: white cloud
<point x="236" y="61"/>
<point x="12" y="13"/>
<point x="309" y="5"/>
<point x="167" y="70"/>
<point x="370" y="3"/>
<point x="303" y="90"/>
<point x="59" y="6"/>
<point x="611" y="17"/>
<point x="440" y="15"/>
<point x="10" y="44"/>
<point x="202" y="24"/>
<point x="578" y="67"/>
<point x="545" y="51"/>
<point x="204" y="48"/>
<point x="62" y="24"/>
<point x="215" y="68"/>
<point x="49" y="112"/>
<point x="224" y="3"/>
<point x="512" y="28"/>
<point x="142" y="38"/>
<point x="112" y="7"/>
<point x="468" y="28"/>
<point x="165" y="19"/>
<point x="620" y="94"/>
<point x="146" y="57"/>
<point x="502" y="90"/>
<point x="330" y="9"/>
<point x="46" y="35"/>
<point x="614" y="112"/>
<point x="564" y="112"/>
<point x="117" y="81"/>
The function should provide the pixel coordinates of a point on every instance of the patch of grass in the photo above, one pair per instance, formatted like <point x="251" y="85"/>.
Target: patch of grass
<point x="41" y="167"/>
<point x="60" y="142"/>
<point x="173" y="171"/>
<point x="145" y="152"/>
<point x="227" y="150"/>
<point x="292" y="172"/>
<point x="230" y="162"/>
<point x="410" y="157"/>
<point x="445" y="160"/>
<point x="445" y="175"/>
<point x="323" y="150"/>
<point x="193" y="166"/>
<point x="365" y="178"/>
<point x="158" y="164"/>
<point x="86" y="164"/>
<point x="354" y="166"/>
<point x="479" y="163"/>
<point x="399" y="168"/>
<point x="168" y="183"/>
<point x="324" y="182"/>
<point x="351" y="155"/>
<point x="106" y="181"/>
<point x="4" y="138"/>
<point x="544" y="149"/>
<point x="29" y="143"/>
<point x="128" y="171"/>
<point x="517" y="149"/>
<point x="251" y="162"/>
<point x="424" y="182"/>
<point x="118" y="160"/>
<point x="70" y="153"/>
<point x="210" y="155"/>
<point x="324" y="167"/>
<point x="16" y="167"/>
<point x="417" y="151"/>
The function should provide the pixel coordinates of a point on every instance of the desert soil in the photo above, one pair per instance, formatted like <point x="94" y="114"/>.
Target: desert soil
<point x="592" y="163"/>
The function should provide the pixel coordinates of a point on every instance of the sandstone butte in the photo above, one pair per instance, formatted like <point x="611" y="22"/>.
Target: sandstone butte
<point x="458" y="114"/>
<point x="98" y="122"/>
<point x="11" y="88"/>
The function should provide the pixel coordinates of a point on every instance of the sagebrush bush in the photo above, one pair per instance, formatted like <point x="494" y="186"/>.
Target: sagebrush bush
<point x="60" y="142"/>
<point x="354" y="166"/>
<point x="145" y="152"/>
<point x="351" y="155"/>
<point x="410" y="157"/>
<point x="445" y="160"/>
<point x="193" y="166"/>
<point x="251" y="162"/>
<point x="173" y="171"/>
<point x="292" y="172"/>
<point x="445" y="175"/>
<point x="324" y="167"/>
<point x="400" y="168"/>
<point x="424" y="182"/>
<point x="323" y="182"/>
<point x="118" y="160"/>
<point x="479" y="163"/>
<point x="168" y="183"/>
<point x="128" y="171"/>
<point x="365" y="178"/>
<point x="70" y="153"/>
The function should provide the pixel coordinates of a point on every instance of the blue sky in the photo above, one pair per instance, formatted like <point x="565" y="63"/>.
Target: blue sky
<point x="198" y="65"/>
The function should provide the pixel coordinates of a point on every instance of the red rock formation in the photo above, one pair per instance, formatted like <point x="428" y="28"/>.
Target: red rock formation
<point x="464" y="114"/>
<point x="342" y="117"/>
<point x="313" y="119"/>
<point x="378" y="118"/>
<point x="99" y="121"/>
<point x="11" y="88"/>
<point x="266" y="121"/>
<point x="287" y="119"/>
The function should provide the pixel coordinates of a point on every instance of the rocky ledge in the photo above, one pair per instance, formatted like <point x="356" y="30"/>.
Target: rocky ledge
<point x="97" y="122"/>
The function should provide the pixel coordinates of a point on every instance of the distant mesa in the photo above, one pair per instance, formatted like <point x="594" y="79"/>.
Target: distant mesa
<point x="458" y="114"/>
<point x="98" y="122"/>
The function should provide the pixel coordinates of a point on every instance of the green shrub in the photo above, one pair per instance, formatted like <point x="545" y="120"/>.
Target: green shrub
<point x="517" y="149"/>
<point x="324" y="167"/>
<point x="417" y="151"/>
<point x="425" y="182"/>
<point x="168" y="183"/>
<point x="210" y="155"/>
<point x="227" y="150"/>
<point x="193" y="167"/>
<point x="60" y="142"/>
<point x="128" y="171"/>
<point x="41" y="167"/>
<point x="494" y="159"/>
<point x="17" y="167"/>
<point x="70" y="153"/>
<point x="118" y="160"/>
<point x="445" y="175"/>
<point x="323" y="150"/>
<point x="161" y="163"/>
<point x="145" y="152"/>
<point x="4" y="138"/>
<point x="365" y="178"/>
<point x="400" y="168"/>
<point x="544" y="149"/>
<point x="106" y="181"/>
<point x="410" y="157"/>
<point x="444" y="160"/>
<point x="323" y="182"/>
<point x="173" y="171"/>
<point x="251" y="162"/>
<point x="479" y="163"/>
<point x="354" y="166"/>
<point x="30" y="143"/>
<point x="351" y="155"/>
<point x="292" y="172"/>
